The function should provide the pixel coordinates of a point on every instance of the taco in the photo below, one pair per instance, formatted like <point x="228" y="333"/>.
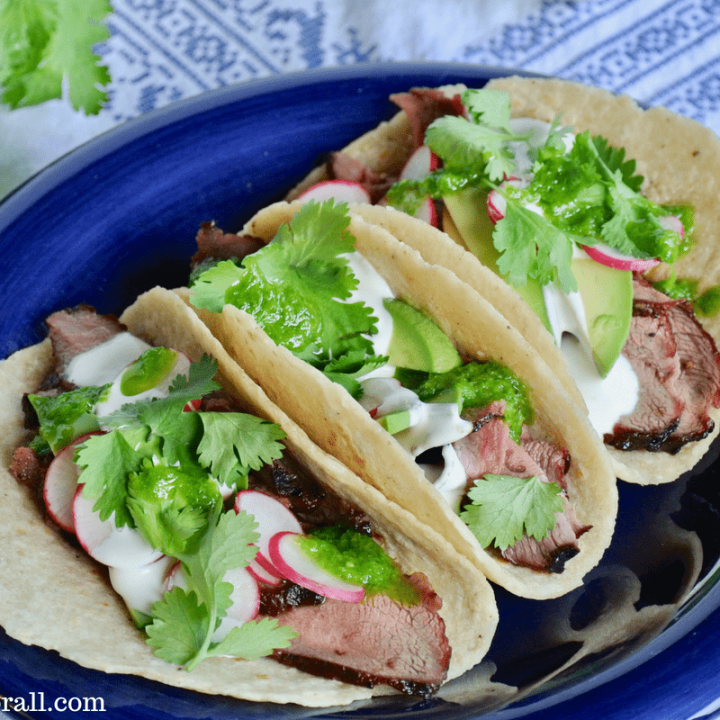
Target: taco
<point x="150" y="514"/>
<point x="417" y="384"/>
<point x="638" y="335"/>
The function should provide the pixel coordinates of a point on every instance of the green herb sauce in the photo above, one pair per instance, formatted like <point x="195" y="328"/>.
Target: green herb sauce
<point x="479" y="384"/>
<point x="147" y="371"/>
<point x="358" y="559"/>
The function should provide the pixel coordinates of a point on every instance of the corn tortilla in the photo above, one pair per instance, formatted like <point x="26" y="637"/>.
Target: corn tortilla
<point x="340" y="426"/>
<point x="54" y="596"/>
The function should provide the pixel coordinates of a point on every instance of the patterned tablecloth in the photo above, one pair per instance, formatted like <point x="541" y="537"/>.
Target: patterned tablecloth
<point x="159" y="51"/>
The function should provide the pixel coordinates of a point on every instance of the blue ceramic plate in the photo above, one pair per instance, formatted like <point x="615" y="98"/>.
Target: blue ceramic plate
<point x="120" y="214"/>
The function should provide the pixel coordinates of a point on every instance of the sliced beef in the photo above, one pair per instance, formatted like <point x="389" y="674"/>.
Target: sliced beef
<point x="212" y="242"/>
<point x="376" y="641"/>
<point x="425" y="105"/>
<point x="29" y="469"/>
<point x="491" y="450"/>
<point x="340" y="166"/>
<point x="678" y="368"/>
<point x="77" y="330"/>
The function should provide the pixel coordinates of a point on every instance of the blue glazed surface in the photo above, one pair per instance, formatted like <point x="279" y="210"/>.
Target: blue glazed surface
<point x="120" y="214"/>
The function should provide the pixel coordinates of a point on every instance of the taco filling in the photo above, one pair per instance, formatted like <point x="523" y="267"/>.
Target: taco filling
<point x="559" y="216"/>
<point x="215" y="536"/>
<point x="469" y="424"/>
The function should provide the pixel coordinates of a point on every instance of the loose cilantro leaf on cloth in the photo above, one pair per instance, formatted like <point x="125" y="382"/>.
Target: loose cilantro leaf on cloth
<point x="503" y="508"/>
<point x="185" y="620"/>
<point x="66" y="416"/>
<point x="235" y="443"/>
<point x="44" y="43"/>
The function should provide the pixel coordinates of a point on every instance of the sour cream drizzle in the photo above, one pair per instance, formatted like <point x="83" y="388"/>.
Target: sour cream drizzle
<point x="431" y="424"/>
<point x="139" y="585"/>
<point x="615" y="395"/>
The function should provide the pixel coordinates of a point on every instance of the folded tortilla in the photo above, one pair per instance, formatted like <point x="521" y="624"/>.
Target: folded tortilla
<point x="340" y="426"/>
<point x="678" y="158"/>
<point x="58" y="598"/>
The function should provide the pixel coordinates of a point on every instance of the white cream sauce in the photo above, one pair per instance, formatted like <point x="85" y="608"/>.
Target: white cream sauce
<point x="615" y="395"/>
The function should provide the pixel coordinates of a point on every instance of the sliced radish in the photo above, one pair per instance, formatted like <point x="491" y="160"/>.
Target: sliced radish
<point x="245" y="601"/>
<point x="245" y="596"/>
<point x="193" y="405"/>
<point x="496" y="206"/>
<point x="61" y="482"/>
<point x="673" y="222"/>
<point x="420" y="164"/>
<point x="118" y="547"/>
<point x="606" y="255"/>
<point x="339" y="190"/>
<point x="427" y="212"/>
<point x="262" y="575"/>
<point x="271" y="517"/>
<point x="297" y="567"/>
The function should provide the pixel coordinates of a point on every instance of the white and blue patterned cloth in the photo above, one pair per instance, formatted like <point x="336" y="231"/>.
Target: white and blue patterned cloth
<point x="659" y="51"/>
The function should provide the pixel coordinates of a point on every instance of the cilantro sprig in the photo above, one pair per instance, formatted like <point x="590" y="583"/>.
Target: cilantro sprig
<point x="46" y="43"/>
<point x="297" y="288"/>
<point x="228" y="445"/>
<point x="185" y="620"/>
<point x="503" y="508"/>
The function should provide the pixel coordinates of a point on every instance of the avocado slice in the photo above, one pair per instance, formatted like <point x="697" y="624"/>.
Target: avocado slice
<point x="468" y="210"/>
<point x="395" y="422"/>
<point x="417" y="343"/>
<point x="607" y="295"/>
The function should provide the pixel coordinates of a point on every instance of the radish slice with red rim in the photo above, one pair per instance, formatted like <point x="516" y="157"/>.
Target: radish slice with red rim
<point x="420" y="164"/>
<point x="271" y="517"/>
<point x="299" y="568"/>
<point x="110" y="545"/>
<point x="339" y="190"/>
<point x="245" y="598"/>
<point x="606" y="255"/>
<point x="61" y="482"/>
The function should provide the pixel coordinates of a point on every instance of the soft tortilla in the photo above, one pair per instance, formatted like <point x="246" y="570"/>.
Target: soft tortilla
<point x="54" y="596"/>
<point x="678" y="158"/>
<point x="339" y="425"/>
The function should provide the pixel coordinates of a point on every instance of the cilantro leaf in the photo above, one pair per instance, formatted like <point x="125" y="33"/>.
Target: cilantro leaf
<point x="255" y="639"/>
<point x="503" y="508"/>
<point x="179" y="626"/>
<point x="184" y="620"/>
<point x="44" y="43"/>
<point x="106" y="461"/>
<point x="209" y="288"/>
<point x="489" y="107"/>
<point x="531" y="247"/>
<point x="232" y="444"/>
<point x="296" y="287"/>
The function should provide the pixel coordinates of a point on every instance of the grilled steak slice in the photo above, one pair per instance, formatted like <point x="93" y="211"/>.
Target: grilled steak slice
<point x="212" y="242"/>
<point x="77" y="330"/>
<point x="375" y="641"/>
<point x="678" y="367"/>
<point x="425" y="105"/>
<point x="340" y="166"/>
<point x="491" y="450"/>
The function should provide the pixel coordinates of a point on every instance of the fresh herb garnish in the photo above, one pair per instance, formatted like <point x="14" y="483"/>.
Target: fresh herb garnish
<point x="64" y="417"/>
<point x="45" y="44"/>
<point x="185" y="620"/>
<point x="503" y="508"/>
<point x="225" y="444"/>
<point x="297" y="288"/>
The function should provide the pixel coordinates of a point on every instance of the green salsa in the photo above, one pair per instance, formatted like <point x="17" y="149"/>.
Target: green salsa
<point x="147" y="371"/>
<point x="358" y="559"/>
<point x="478" y="384"/>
